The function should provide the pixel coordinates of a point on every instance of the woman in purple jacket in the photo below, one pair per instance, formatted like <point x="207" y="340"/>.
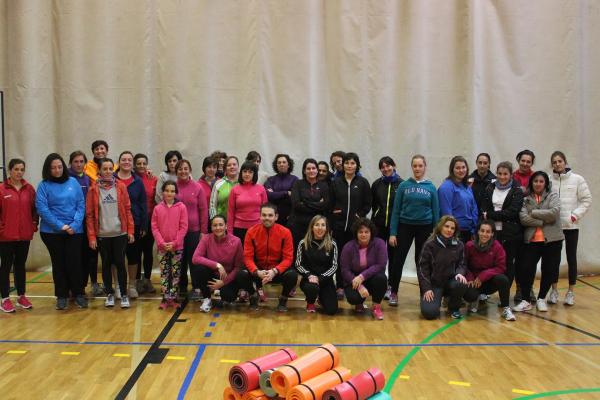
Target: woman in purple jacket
<point x="363" y="261"/>
<point x="279" y="187"/>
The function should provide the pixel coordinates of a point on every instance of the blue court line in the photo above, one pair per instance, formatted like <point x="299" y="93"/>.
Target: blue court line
<point x="207" y="334"/>
<point x="190" y="375"/>
<point x="577" y="344"/>
<point x="212" y="324"/>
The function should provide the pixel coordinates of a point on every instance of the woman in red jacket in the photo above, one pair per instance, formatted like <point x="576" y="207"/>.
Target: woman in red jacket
<point x="18" y="222"/>
<point x="486" y="269"/>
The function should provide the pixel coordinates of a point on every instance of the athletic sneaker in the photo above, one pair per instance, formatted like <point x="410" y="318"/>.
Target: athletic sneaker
<point x="206" y="305"/>
<point x="61" y="303"/>
<point x="148" y="286"/>
<point x="282" y="306"/>
<point x="393" y="299"/>
<point x="97" y="290"/>
<point x="508" y="314"/>
<point x="524" y="305"/>
<point x="483" y="297"/>
<point x="261" y="295"/>
<point x="473" y="307"/>
<point x="570" y="298"/>
<point x="7" y="306"/>
<point x="388" y="293"/>
<point x="243" y="296"/>
<point x="541" y="305"/>
<point x="553" y="297"/>
<point x="518" y="296"/>
<point x="139" y="286"/>
<point x="133" y="293"/>
<point x="340" y="294"/>
<point x="359" y="308"/>
<point x="196" y="295"/>
<point x="310" y="308"/>
<point x="377" y="312"/>
<point x="163" y="305"/>
<point x="456" y="315"/>
<point x="254" y="302"/>
<point x="81" y="301"/>
<point x="174" y="303"/>
<point x="24" y="302"/>
<point x="110" y="301"/>
<point x="125" y="302"/>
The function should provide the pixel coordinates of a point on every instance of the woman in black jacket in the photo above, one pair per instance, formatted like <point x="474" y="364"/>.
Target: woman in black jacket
<point x="316" y="261"/>
<point x="481" y="177"/>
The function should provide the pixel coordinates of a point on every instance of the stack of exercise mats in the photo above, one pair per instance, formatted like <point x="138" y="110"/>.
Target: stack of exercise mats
<point x="315" y="376"/>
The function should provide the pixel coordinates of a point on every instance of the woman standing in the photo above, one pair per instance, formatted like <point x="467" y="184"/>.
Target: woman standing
<point x="170" y="174"/>
<point x="442" y="270"/>
<point x="525" y="158"/>
<point x="18" y="222"/>
<point x="245" y="200"/>
<point x="324" y="174"/>
<point x="363" y="261"/>
<point x="415" y="212"/>
<point x="481" y="177"/>
<point x="61" y="206"/>
<point x="310" y="197"/>
<point x="279" y="186"/>
<point x="543" y="236"/>
<point x="219" y="197"/>
<point x="144" y="285"/>
<point x="191" y="194"/>
<point x="316" y="261"/>
<point x="456" y="198"/>
<point x="575" y="199"/>
<point x="208" y="178"/>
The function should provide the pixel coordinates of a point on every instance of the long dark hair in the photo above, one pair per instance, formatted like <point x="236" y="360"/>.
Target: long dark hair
<point x="47" y="175"/>
<point x="453" y="161"/>
<point x="544" y="175"/>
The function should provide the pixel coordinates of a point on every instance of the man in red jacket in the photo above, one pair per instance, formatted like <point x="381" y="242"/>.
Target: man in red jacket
<point x="268" y="254"/>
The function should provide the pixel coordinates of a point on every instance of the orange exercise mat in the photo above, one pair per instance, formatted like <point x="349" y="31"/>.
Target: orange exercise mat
<point x="230" y="394"/>
<point x="255" y="394"/>
<point x="360" y="387"/>
<point x="314" y="363"/>
<point x="244" y="377"/>
<point x="314" y="388"/>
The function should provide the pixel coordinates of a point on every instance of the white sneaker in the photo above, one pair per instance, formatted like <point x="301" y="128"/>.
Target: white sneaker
<point x="508" y="314"/>
<point x="387" y="294"/>
<point x="206" y="305"/>
<point x="110" y="301"/>
<point x="570" y="298"/>
<point x="524" y="305"/>
<point x="553" y="298"/>
<point x="541" y="305"/>
<point x="125" y="302"/>
<point x="483" y="297"/>
<point x="473" y="307"/>
<point x="133" y="293"/>
<point x="117" y="292"/>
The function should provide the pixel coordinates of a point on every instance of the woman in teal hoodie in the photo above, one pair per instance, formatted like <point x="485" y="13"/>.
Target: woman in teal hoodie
<point x="415" y="212"/>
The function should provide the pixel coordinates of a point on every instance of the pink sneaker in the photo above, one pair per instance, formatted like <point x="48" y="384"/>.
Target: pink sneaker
<point x="163" y="305"/>
<point x="359" y="308"/>
<point x="261" y="295"/>
<point x="310" y="308"/>
<point x="7" y="306"/>
<point x="377" y="312"/>
<point x="24" y="302"/>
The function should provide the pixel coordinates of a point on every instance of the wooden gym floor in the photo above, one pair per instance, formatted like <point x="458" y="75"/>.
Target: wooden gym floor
<point x="101" y="354"/>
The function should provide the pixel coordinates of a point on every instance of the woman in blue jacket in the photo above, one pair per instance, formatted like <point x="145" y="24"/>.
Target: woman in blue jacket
<point x="61" y="206"/>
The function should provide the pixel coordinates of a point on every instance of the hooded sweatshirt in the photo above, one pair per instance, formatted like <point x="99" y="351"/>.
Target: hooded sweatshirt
<point x="416" y="203"/>
<point x="457" y="200"/>
<point x="169" y="224"/>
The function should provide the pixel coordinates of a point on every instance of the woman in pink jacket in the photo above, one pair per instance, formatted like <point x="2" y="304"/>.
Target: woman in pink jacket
<point x="18" y="222"/>
<point x="169" y="227"/>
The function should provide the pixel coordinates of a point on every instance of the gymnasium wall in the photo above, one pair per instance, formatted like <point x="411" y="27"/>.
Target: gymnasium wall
<point x="307" y="77"/>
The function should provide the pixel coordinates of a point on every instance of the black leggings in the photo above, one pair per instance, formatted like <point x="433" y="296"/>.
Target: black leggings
<point x="228" y="292"/>
<point x="341" y="238"/>
<point x="89" y="262"/>
<point x="571" y="239"/>
<point x="376" y="285"/>
<point x="190" y="242"/>
<point x="550" y="255"/>
<point x="498" y="283"/>
<point x="65" y="255"/>
<point x="13" y="254"/>
<point x="406" y="234"/>
<point x="112" y="252"/>
<point x="511" y="248"/>
<point x="453" y="289"/>
<point x="288" y="280"/>
<point x="324" y="291"/>
<point x="147" y="256"/>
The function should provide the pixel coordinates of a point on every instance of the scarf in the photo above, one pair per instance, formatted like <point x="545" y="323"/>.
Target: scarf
<point x="106" y="183"/>
<point x="485" y="247"/>
<point x="446" y="242"/>
<point x="503" y="187"/>
<point x="390" y="179"/>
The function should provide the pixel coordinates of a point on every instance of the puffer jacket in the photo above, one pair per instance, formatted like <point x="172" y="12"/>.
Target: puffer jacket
<point x="575" y="197"/>
<point x="546" y="215"/>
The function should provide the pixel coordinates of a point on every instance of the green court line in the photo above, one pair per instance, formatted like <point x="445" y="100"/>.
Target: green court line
<point x="32" y="280"/>
<point x="559" y="392"/>
<point x="411" y="354"/>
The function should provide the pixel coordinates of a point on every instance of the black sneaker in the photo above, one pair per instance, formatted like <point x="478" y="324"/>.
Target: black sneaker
<point x="282" y="306"/>
<point x="81" y="301"/>
<point x="254" y="302"/>
<point x="61" y="303"/>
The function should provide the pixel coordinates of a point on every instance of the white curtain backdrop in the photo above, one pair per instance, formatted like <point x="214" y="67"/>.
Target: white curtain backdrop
<point x="306" y="77"/>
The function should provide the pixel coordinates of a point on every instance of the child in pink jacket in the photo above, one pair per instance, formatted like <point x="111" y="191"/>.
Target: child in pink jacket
<point x="169" y="226"/>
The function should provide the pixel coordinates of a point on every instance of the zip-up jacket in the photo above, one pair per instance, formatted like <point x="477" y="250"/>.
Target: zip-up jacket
<point x="479" y="185"/>
<point x="226" y="251"/>
<point x="192" y="195"/>
<point x="92" y="210"/>
<point x="383" y="194"/>
<point x="484" y="264"/>
<point x="545" y="215"/>
<point x="308" y="200"/>
<point x="377" y="258"/>
<point x="18" y="216"/>
<point x="169" y="224"/>
<point x="268" y="248"/>
<point x="457" y="200"/>
<point x="575" y="197"/>
<point x="509" y="215"/>
<point x="416" y="203"/>
<point x="244" y="205"/>
<point x="83" y="180"/>
<point x="59" y="204"/>
<point x="207" y="187"/>
<point x="280" y="185"/>
<point x="440" y="263"/>
<point x="349" y="201"/>
<point x="150" y="188"/>
<point x="138" y="200"/>
<point x="219" y="197"/>
<point x="317" y="261"/>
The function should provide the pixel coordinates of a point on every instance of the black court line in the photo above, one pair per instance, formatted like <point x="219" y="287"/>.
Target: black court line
<point x="410" y="283"/>
<point x="154" y="355"/>
<point x="576" y="329"/>
<point x="589" y="284"/>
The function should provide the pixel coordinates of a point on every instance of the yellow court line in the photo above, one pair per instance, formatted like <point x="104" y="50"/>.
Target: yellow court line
<point x="175" y="358"/>
<point x="230" y="361"/>
<point x="16" y="352"/>
<point x="520" y="391"/>
<point x="405" y="377"/>
<point x="69" y="353"/>
<point x="122" y="355"/>
<point x="458" y="383"/>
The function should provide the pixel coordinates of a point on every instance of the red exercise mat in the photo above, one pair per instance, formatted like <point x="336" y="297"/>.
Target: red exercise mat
<point x="360" y="387"/>
<point x="314" y="388"/>
<point x="314" y="363"/>
<point x="230" y="394"/>
<point x="245" y="376"/>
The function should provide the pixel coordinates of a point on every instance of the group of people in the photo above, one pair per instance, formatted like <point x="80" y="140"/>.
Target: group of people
<point x="237" y="229"/>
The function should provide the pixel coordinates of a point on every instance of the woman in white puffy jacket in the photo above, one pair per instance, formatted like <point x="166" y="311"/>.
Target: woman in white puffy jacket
<point x="575" y="200"/>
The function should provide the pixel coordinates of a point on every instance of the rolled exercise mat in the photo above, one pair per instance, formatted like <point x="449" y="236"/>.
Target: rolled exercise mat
<point x="230" y="394"/>
<point x="314" y="363"/>
<point x="360" y="387"/>
<point x="244" y="377"/>
<point x="380" y="396"/>
<point x="265" y="383"/>
<point x="314" y="388"/>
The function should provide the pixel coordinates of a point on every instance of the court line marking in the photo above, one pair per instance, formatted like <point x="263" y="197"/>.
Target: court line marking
<point x="521" y="391"/>
<point x="16" y="352"/>
<point x="589" y="284"/>
<point x="35" y="278"/>
<point x="459" y="383"/>
<point x="405" y="377"/>
<point x="576" y="329"/>
<point x="559" y="392"/>
<point x="124" y="355"/>
<point x="70" y="353"/>
<point x="175" y="358"/>
<point x="192" y="371"/>
<point x="230" y="361"/>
